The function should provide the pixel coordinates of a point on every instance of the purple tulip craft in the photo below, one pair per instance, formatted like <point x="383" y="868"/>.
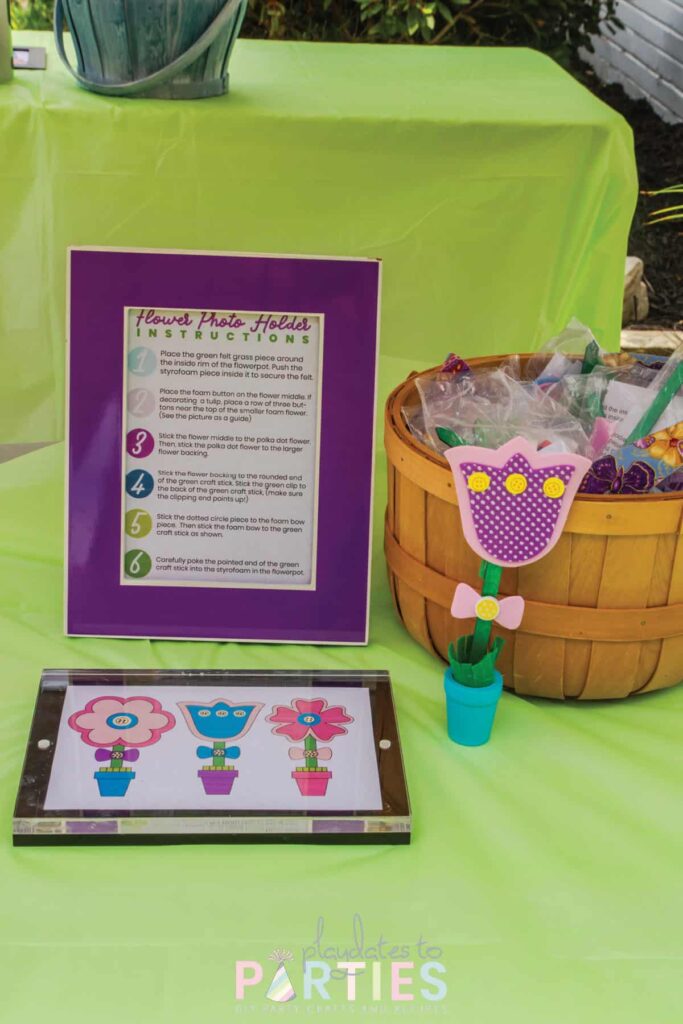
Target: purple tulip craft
<point x="514" y="502"/>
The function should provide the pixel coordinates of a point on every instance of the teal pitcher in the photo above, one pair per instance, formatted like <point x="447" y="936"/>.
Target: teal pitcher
<point x="167" y="49"/>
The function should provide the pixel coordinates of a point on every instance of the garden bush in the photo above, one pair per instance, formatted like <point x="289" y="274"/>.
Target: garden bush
<point x="557" y="27"/>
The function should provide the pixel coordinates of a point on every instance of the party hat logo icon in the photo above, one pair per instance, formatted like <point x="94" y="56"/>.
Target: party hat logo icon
<point x="281" y="989"/>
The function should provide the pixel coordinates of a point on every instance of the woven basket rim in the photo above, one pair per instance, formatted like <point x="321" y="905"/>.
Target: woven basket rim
<point x="396" y="400"/>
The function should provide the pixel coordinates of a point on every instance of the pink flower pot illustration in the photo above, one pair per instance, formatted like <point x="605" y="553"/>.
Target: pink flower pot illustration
<point x="312" y="783"/>
<point x="218" y="781"/>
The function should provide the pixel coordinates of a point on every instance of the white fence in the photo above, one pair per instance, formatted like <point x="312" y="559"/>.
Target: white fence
<point x="646" y="56"/>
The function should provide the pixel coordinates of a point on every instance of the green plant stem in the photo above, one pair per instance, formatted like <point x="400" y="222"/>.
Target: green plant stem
<point x="116" y="763"/>
<point x="310" y="746"/>
<point x="218" y="759"/>
<point x="490" y="575"/>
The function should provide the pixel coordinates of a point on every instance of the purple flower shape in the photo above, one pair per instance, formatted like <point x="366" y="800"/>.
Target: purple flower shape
<point x="606" y="477"/>
<point x="514" y="502"/>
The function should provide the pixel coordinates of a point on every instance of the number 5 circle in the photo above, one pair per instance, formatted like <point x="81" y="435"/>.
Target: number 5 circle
<point x="139" y="483"/>
<point x="138" y="522"/>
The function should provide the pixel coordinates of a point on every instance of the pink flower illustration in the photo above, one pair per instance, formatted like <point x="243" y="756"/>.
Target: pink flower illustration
<point x="125" y="721"/>
<point x="514" y="501"/>
<point x="309" y="718"/>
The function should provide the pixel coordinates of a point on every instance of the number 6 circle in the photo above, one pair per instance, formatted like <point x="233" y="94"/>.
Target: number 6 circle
<point x="137" y="563"/>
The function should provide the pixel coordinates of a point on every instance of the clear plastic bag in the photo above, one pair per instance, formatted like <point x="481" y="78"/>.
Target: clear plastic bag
<point x="574" y="350"/>
<point x="492" y="408"/>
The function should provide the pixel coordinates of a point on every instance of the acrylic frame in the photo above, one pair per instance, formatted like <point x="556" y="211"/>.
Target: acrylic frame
<point x="33" y="825"/>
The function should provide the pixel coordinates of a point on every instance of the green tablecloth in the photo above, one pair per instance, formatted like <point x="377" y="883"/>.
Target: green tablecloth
<point x="495" y="188"/>
<point x="546" y="866"/>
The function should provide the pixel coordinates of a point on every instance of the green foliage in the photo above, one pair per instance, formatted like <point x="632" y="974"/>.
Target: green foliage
<point x="665" y="213"/>
<point x="34" y="14"/>
<point x="558" y="27"/>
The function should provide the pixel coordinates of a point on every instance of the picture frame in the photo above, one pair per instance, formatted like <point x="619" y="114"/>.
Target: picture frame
<point x="251" y="578"/>
<point x="162" y="800"/>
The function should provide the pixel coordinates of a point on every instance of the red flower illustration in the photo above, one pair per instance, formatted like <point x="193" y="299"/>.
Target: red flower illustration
<point x="309" y="718"/>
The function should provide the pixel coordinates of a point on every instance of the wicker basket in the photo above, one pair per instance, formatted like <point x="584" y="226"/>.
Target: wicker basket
<point x="604" y="610"/>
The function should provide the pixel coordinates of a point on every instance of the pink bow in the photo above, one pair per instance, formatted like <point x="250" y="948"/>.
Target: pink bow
<point x="468" y="604"/>
<point x="299" y="753"/>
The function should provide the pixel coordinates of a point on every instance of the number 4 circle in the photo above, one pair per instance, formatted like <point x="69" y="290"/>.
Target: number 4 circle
<point x="139" y="483"/>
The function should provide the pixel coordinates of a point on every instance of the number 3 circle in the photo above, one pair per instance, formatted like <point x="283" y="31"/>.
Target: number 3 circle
<point x="139" y="443"/>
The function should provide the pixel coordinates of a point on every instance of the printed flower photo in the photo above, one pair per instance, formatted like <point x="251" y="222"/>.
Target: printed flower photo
<point x="310" y="721"/>
<point x="118" y="727"/>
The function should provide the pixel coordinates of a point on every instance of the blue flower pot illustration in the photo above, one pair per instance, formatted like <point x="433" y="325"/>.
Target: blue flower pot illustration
<point x="470" y="710"/>
<point x="113" y="783"/>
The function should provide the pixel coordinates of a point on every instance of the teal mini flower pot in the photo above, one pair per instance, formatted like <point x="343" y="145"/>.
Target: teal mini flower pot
<point x="113" y="783"/>
<point x="470" y="710"/>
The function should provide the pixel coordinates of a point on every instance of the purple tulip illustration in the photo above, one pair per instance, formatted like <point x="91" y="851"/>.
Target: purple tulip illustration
<point x="219" y="721"/>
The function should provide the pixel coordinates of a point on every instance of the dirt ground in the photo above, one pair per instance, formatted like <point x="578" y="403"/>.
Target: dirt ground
<point x="659" y="155"/>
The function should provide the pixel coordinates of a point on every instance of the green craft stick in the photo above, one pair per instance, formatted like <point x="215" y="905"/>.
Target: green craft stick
<point x="449" y="437"/>
<point x="310" y="748"/>
<point x="117" y="762"/>
<point x="656" y="410"/>
<point x="218" y="759"/>
<point x="591" y="357"/>
<point x="490" y="575"/>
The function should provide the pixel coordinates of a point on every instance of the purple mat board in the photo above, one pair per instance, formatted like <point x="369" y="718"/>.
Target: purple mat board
<point x="104" y="284"/>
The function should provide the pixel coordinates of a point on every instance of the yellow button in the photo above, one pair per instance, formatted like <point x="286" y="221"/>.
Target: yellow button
<point x="486" y="608"/>
<point x="516" y="483"/>
<point x="553" y="487"/>
<point x="479" y="482"/>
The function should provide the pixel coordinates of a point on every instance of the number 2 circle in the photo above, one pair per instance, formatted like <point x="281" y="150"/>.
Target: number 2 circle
<point x="140" y="402"/>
